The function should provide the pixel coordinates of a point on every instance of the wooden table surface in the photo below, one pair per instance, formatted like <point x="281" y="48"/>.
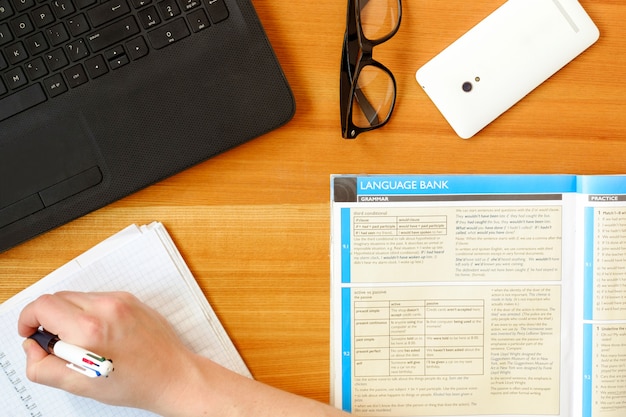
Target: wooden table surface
<point x="253" y="223"/>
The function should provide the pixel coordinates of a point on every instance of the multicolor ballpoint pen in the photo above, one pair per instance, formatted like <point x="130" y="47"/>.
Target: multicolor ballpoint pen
<point x="80" y="360"/>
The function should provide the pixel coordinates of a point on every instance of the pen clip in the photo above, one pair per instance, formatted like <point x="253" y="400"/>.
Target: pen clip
<point x="91" y="373"/>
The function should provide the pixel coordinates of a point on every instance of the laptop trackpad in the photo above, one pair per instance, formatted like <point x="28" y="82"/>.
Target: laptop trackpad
<point x="45" y="165"/>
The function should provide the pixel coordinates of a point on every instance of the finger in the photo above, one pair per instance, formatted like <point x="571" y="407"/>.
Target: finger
<point x="42" y="367"/>
<point x="96" y="315"/>
<point x="49" y="370"/>
<point x="48" y="311"/>
<point x="82" y="300"/>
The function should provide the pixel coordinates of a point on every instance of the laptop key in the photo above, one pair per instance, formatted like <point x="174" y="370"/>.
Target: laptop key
<point x="21" y="100"/>
<point x="76" y="50"/>
<point x="15" y="78"/>
<point x="148" y="17"/>
<point x="36" y="69"/>
<point x="82" y="4"/>
<point x="56" y="59"/>
<point x="217" y="10"/>
<point x="137" y="48"/>
<point x="118" y="62"/>
<point x="137" y="4"/>
<point x="63" y="8"/>
<point x="169" y="33"/>
<point x="189" y="4"/>
<point x="42" y="16"/>
<point x="21" y="5"/>
<point x="16" y="53"/>
<point x="78" y="25"/>
<point x="55" y="85"/>
<point x="3" y="63"/>
<point x="5" y="34"/>
<point x="113" y="34"/>
<point x="108" y="11"/>
<point x="169" y="9"/>
<point x="5" y="9"/>
<point x="22" y="25"/>
<point x="198" y="20"/>
<point x="57" y="34"/>
<point x="75" y="75"/>
<point x="96" y="66"/>
<point x="36" y="44"/>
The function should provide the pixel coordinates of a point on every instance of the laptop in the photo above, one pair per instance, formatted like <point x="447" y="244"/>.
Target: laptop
<point x="100" y="98"/>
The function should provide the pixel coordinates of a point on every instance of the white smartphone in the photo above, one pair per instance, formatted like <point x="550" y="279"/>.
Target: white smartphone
<point x="503" y="58"/>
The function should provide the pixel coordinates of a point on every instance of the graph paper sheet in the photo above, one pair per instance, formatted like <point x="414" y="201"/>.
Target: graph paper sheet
<point x="141" y="260"/>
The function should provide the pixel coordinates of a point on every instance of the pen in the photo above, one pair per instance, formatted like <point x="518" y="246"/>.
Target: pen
<point x="80" y="360"/>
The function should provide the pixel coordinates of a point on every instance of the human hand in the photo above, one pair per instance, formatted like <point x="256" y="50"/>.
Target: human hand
<point x="146" y="353"/>
<point x="153" y="369"/>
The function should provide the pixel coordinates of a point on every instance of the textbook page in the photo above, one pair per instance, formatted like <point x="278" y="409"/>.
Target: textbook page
<point x="453" y="295"/>
<point x="603" y="279"/>
<point x="141" y="260"/>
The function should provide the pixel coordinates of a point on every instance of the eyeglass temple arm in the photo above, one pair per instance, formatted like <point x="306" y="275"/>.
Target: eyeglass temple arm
<point x="368" y="110"/>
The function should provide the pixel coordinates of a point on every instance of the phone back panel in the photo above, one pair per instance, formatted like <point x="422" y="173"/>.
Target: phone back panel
<point x="503" y="58"/>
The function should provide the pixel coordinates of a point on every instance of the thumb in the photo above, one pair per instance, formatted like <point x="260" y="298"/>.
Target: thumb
<point x="44" y="368"/>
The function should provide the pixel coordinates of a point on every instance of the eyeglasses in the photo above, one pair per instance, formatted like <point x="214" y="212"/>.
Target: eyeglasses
<point x="368" y="88"/>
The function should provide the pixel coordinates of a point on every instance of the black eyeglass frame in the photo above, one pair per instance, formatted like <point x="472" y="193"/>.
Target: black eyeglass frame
<point x="356" y="55"/>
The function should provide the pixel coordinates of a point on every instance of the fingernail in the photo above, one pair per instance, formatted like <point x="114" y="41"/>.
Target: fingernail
<point x="26" y="344"/>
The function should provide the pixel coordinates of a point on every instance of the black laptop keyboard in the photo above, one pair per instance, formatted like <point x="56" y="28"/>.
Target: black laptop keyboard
<point x="50" y="47"/>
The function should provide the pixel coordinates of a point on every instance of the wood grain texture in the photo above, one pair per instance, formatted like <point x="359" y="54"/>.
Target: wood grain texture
<point x="253" y="223"/>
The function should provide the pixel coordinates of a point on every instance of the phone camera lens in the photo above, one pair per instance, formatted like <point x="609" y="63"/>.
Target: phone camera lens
<point x="467" y="86"/>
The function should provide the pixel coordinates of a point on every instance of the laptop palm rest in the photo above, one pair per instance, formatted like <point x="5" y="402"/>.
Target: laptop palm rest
<point x="61" y="161"/>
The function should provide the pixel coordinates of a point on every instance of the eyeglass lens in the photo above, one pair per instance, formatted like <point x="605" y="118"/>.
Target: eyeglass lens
<point x="378" y="18"/>
<point x="374" y="93"/>
<point x="373" y="97"/>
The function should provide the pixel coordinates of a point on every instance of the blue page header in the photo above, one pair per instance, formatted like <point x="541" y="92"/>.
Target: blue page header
<point x="603" y="184"/>
<point x="465" y="184"/>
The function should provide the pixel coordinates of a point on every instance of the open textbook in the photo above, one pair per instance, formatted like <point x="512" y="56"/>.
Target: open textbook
<point x="479" y="295"/>
<point x="141" y="260"/>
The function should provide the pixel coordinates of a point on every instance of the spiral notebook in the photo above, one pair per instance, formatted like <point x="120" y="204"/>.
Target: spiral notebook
<point x="141" y="260"/>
